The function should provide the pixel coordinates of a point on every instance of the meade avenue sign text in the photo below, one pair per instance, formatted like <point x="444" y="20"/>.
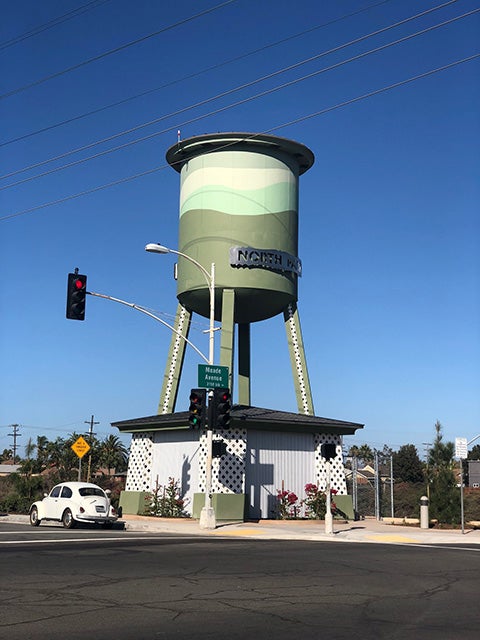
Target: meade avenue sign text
<point x="265" y="259"/>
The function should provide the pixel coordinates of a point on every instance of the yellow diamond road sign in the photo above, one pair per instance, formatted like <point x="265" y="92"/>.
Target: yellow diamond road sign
<point x="80" y="447"/>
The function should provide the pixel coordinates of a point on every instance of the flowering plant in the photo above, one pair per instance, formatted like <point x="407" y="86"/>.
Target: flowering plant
<point x="316" y="502"/>
<point x="286" y="504"/>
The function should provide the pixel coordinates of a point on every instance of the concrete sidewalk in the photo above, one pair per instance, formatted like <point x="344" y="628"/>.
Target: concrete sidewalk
<point x="367" y="531"/>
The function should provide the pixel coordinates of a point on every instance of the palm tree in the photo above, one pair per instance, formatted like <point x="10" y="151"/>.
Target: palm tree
<point x="113" y="454"/>
<point x="29" y="448"/>
<point x="42" y="452"/>
<point x="363" y="453"/>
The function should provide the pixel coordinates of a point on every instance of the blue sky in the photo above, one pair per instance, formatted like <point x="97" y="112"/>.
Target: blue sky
<point x="389" y="213"/>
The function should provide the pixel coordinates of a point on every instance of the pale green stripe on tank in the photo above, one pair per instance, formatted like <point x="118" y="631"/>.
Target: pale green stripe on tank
<point x="273" y="199"/>
<point x="236" y="160"/>
<point x="234" y="178"/>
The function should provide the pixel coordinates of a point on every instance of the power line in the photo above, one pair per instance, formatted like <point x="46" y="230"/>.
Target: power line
<point x="271" y="130"/>
<point x="52" y="23"/>
<point x="224" y="94"/>
<point x="194" y="75"/>
<point x="375" y="92"/>
<point x="116" y="50"/>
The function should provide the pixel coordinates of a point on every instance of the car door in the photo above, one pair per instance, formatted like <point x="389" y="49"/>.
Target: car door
<point x="64" y="501"/>
<point x="50" y="504"/>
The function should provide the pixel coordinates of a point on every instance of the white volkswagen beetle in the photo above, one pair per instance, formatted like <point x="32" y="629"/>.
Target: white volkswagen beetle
<point x="72" y="502"/>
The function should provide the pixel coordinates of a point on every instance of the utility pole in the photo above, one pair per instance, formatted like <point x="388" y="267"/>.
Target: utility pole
<point x="15" y="435"/>
<point x="91" y="422"/>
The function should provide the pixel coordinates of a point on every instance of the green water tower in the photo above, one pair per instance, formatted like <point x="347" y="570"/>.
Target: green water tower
<point x="239" y="210"/>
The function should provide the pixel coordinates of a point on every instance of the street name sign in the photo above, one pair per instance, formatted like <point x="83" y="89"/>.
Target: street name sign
<point x="80" y="447"/>
<point x="212" y="376"/>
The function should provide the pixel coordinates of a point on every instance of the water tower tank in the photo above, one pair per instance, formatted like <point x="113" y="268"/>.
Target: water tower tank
<point x="239" y="209"/>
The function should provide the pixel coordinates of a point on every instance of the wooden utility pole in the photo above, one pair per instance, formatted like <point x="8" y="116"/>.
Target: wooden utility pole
<point x="91" y="422"/>
<point x="15" y="434"/>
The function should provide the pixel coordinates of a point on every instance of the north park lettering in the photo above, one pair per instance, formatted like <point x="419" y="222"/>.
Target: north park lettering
<point x="265" y="259"/>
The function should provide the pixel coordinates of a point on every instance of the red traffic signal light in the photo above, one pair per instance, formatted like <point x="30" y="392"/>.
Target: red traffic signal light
<point x="76" y="296"/>
<point x="198" y="408"/>
<point x="221" y="408"/>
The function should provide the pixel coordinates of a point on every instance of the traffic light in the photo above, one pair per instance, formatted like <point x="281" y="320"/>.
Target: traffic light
<point x="76" y="294"/>
<point x="328" y="450"/>
<point x="221" y="408"/>
<point x="219" y="448"/>
<point x="198" y="408"/>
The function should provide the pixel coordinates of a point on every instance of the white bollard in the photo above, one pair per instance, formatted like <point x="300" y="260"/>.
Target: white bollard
<point x="424" y="520"/>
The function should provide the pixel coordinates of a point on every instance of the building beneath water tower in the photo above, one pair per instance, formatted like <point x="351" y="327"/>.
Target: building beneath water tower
<point x="238" y="210"/>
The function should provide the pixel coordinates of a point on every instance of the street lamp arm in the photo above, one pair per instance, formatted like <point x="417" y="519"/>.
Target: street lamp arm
<point x="148" y="313"/>
<point x="152" y="247"/>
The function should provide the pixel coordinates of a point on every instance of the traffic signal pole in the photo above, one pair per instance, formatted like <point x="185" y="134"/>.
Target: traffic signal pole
<point x="207" y="515"/>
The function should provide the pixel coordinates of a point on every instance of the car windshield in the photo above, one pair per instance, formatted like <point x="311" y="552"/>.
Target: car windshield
<point x="91" y="491"/>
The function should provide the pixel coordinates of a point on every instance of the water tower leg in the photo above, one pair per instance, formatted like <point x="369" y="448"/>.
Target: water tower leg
<point x="298" y="360"/>
<point x="244" y="364"/>
<point x="176" y="355"/>
<point x="228" y="328"/>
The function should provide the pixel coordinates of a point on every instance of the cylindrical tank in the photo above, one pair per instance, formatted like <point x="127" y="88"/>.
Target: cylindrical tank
<point x="239" y="209"/>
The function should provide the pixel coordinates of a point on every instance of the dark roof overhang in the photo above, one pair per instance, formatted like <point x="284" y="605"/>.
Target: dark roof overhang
<point x="245" y="417"/>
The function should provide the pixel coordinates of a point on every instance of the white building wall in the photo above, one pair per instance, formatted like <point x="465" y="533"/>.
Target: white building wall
<point x="176" y="455"/>
<point x="337" y="470"/>
<point x="258" y="463"/>
<point x="139" y="462"/>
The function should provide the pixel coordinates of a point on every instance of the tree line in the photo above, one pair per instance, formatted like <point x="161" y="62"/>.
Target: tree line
<point x="439" y="477"/>
<point x="48" y="462"/>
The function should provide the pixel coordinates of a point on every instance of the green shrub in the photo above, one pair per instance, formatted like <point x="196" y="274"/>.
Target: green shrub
<point x="165" y="501"/>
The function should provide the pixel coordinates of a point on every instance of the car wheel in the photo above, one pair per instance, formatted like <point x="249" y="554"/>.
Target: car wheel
<point x="67" y="519"/>
<point x="34" y="519"/>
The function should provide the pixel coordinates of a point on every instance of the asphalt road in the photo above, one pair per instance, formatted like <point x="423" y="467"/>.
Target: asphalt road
<point x="89" y="583"/>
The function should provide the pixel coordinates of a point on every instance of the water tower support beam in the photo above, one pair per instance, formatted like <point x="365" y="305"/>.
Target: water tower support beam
<point x="298" y="360"/>
<point x="176" y="355"/>
<point x="228" y="334"/>
<point x="244" y="386"/>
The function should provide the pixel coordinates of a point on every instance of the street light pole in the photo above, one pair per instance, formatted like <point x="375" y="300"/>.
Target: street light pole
<point x="207" y="515"/>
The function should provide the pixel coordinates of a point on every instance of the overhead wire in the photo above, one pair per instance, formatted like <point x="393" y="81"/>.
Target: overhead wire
<point x="52" y="23"/>
<point x="196" y="74"/>
<point x="270" y="130"/>
<point x="229" y="92"/>
<point x="116" y="50"/>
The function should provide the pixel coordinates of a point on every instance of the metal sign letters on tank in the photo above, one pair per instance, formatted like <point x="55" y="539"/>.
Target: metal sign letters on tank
<point x="265" y="259"/>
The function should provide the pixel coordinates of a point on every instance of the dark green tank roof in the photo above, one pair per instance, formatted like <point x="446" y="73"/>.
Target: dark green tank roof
<point x="179" y="153"/>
